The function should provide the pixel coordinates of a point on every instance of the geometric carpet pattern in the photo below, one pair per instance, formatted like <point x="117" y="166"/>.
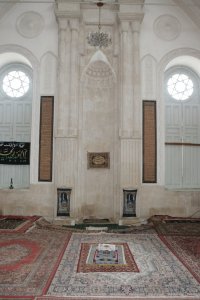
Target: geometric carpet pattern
<point x="161" y="273"/>
<point x="12" y="224"/>
<point x="54" y="263"/>
<point x="167" y="225"/>
<point x="187" y="249"/>
<point x="28" y="261"/>
<point x="93" y="260"/>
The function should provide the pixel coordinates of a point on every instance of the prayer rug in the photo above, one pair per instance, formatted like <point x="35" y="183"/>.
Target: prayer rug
<point x="187" y="249"/>
<point x="114" y="298"/>
<point x="28" y="261"/>
<point x="11" y="224"/>
<point x="166" y="225"/>
<point x="161" y="273"/>
<point x="119" y="259"/>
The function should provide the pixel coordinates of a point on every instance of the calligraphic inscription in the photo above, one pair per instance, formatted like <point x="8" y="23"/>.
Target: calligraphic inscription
<point x="15" y="153"/>
<point x="46" y="138"/>
<point x="149" y="142"/>
<point x="98" y="160"/>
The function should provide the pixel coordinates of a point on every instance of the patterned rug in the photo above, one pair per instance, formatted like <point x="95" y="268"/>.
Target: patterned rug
<point x="187" y="249"/>
<point x="11" y="224"/>
<point x="166" y="225"/>
<point x="119" y="259"/>
<point x="161" y="274"/>
<point x="28" y="261"/>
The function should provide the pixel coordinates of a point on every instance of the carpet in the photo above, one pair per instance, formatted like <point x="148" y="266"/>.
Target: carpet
<point x="118" y="260"/>
<point x="187" y="250"/>
<point x="166" y="225"/>
<point x="12" y="224"/>
<point x="28" y="261"/>
<point x="161" y="273"/>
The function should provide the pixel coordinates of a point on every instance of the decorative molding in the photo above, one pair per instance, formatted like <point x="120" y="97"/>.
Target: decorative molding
<point x="30" y="24"/>
<point x="48" y="64"/>
<point x="98" y="72"/>
<point x="67" y="14"/>
<point x="65" y="161"/>
<point x="148" y="69"/>
<point x="124" y="16"/>
<point x="167" y="27"/>
<point x="130" y="162"/>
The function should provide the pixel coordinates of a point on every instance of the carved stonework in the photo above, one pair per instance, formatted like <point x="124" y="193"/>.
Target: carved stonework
<point x="167" y="27"/>
<point x="30" y="24"/>
<point x="98" y="72"/>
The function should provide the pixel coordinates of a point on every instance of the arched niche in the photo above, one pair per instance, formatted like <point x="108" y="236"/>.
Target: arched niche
<point x="98" y="73"/>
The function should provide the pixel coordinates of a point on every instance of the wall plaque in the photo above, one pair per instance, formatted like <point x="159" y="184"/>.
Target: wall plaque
<point x="98" y="160"/>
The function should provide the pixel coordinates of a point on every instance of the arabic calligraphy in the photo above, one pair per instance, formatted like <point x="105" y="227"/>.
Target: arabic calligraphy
<point x="16" y="153"/>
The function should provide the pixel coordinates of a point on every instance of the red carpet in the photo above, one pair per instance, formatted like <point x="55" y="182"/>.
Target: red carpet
<point x="12" y="224"/>
<point x="187" y="250"/>
<point x="29" y="261"/>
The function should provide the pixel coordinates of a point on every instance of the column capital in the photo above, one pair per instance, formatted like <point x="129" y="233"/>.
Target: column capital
<point x="74" y="24"/>
<point x="125" y="26"/>
<point x="63" y="23"/>
<point x="136" y="24"/>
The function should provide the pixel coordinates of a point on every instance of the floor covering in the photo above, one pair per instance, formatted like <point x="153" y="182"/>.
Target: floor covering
<point x="46" y="262"/>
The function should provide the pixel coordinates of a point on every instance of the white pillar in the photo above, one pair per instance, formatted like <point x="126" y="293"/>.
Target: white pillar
<point x="137" y="102"/>
<point x="62" y="23"/>
<point x="126" y="81"/>
<point x="73" y="125"/>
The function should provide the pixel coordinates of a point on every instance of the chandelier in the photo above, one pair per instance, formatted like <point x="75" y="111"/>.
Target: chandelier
<point x="99" y="38"/>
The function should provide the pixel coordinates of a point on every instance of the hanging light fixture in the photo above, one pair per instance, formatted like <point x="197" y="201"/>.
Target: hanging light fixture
<point x="99" y="38"/>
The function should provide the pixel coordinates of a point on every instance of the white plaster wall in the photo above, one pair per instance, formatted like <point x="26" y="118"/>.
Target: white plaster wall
<point x="156" y="53"/>
<point x="98" y="132"/>
<point x="97" y="188"/>
<point x="40" y="198"/>
<point x="151" y="44"/>
<point x="45" y="41"/>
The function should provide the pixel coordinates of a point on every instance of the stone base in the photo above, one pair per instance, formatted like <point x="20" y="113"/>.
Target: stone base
<point x="64" y="221"/>
<point x="134" y="221"/>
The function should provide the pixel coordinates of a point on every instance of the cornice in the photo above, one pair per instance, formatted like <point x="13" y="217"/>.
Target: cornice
<point x="67" y="14"/>
<point x="130" y="16"/>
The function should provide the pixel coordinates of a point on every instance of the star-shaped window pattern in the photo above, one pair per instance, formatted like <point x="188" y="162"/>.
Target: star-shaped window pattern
<point x="16" y="84"/>
<point x="180" y="86"/>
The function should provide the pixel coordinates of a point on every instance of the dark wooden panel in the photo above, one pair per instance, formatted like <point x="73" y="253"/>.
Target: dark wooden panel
<point x="149" y="142"/>
<point x="46" y="138"/>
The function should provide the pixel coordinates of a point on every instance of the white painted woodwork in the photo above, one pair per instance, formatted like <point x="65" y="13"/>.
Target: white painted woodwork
<point x="182" y="163"/>
<point x="15" y="124"/>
